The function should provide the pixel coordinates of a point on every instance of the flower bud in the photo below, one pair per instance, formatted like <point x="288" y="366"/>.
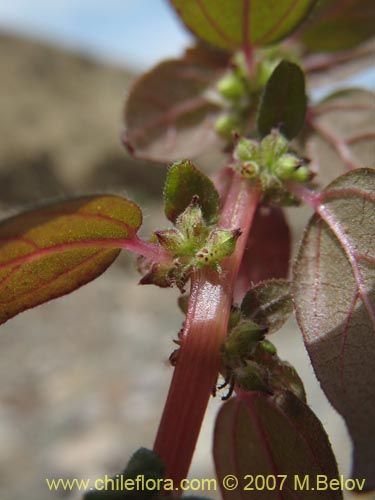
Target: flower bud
<point x="242" y="342"/>
<point x="250" y="169"/>
<point x="268" y="347"/>
<point x="231" y="86"/>
<point x="225" y="125"/>
<point x="302" y="174"/>
<point x="170" y="239"/>
<point x="273" y="146"/>
<point x="287" y="166"/>
<point x="246" y="150"/>
<point x="191" y="224"/>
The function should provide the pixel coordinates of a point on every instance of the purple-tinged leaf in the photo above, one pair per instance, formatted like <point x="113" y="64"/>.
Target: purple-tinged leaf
<point x="168" y="115"/>
<point x="334" y="294"/>
<point x="342" y="134"/>
<point x="331" y="68"/>
<point x="268" y="250"/>
<point x="242" y="24"/>
<point x="277" y="437"/>
<point x="283" y="103"/>
<point x="338" y="25"/>
<point x="52" y="250"/>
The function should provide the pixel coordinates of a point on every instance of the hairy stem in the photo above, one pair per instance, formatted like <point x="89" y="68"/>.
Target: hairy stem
<point x="204" y="331"/>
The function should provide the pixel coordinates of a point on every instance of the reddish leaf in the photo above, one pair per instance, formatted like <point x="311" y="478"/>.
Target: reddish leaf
<point x="242" y="23"/>
<point x="339" y="24"/>
<point x="260" y="435"/>
<point x="52" y="250"/>
<point x="334" y="293"/>
<point x="268" y="250"/>
<point x="331" y="68"/>
<point x="342" y="134"/>
<point x="168" y="115"/>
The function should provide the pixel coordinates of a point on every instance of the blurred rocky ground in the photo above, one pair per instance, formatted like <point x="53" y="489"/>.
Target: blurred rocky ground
<point x="84" y="378"/>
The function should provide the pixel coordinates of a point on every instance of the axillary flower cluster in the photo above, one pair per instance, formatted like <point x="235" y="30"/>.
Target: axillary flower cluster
<point x="192" y="244"/>
<point x="271" y="163"/>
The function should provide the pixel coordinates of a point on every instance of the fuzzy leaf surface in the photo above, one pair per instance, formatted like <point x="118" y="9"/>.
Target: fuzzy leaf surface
<point x="52" y="250"/>
<point x="167" y="114"/>
<point x="342" y="134"/>
<point x="242" y="24"/>
<point x="334" y="294"/>
<point x="271" y="435"/>
<point x="267" y="252"/>
<point x="283" y="103"/>
<point x="268" y="303"/>
<point x="339" y="25"/>
<point x="183" y="182"/>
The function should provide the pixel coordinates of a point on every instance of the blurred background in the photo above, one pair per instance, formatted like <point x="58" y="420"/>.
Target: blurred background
<point x="84" y="378"/>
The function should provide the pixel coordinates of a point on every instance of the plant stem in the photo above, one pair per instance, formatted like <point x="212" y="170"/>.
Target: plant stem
<point x="204" y="331"/>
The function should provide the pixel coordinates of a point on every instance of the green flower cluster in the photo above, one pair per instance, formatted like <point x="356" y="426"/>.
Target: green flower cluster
<point x="238" y="91"/>
<point x="251" y="361"/>
<point x="192" y="244"/>
<point x="271" y="163"/>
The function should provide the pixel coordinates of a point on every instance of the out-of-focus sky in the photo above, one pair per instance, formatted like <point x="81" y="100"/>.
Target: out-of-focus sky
<point x="136" y="33"/>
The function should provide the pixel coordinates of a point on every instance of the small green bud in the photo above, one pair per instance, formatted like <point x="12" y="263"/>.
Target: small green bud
<point x="268" y="347"/>
<point x="159" y="275"/>
<point x="170" y="239"/>
<point x="246" y="150"/>
<point x="225" y="125"/>
<point x="219" y="244"/>
<point x="273" y="146"/>
<point x="287" y="166"/>
<point x="242" y="341"/>
<point x="231" y="86"/>
<point x="191" y="225"/>
<point x="250" y="169"/>
<point x="302" y="174"/>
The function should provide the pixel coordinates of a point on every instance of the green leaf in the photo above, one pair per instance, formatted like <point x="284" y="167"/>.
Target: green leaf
<point x="283" y="103"/>
<point x="144" y="463"/>
<point x="241" y="24"/>
<point x="269" y="303"/>
<point x="337" y="25"/>
<point x="341" y="135"/>
<point x="168" y="115"/>
<point x="184" y="181"/>
<point x="269" y="436"/>
<point x="334" y="294"/>
<point x="54" y="249"/>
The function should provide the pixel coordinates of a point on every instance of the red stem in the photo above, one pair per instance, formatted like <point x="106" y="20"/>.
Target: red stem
<point x="204" y="332"/>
